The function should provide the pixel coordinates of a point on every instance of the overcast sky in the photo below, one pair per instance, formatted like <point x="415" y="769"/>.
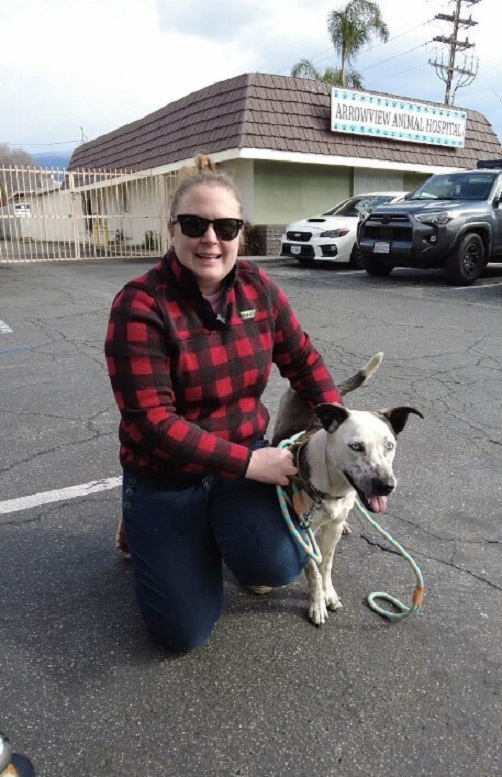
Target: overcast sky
<point x="76" y="69"/>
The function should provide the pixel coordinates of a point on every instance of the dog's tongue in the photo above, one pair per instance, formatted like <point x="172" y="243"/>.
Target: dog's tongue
<point x="378" y="504"/>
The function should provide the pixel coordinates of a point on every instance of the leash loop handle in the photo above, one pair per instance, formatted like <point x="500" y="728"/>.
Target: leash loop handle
<point x="418" y="591"/>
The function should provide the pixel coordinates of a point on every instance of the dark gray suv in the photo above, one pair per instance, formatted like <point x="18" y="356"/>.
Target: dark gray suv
<point x="452" y="221"/>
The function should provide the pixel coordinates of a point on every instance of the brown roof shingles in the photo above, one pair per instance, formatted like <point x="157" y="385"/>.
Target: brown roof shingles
<point x="265" y="111"/>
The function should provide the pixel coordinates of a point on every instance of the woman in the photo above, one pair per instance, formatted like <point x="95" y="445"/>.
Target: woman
<point x="190" y="347"/>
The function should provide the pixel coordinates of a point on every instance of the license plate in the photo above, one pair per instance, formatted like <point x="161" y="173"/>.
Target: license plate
<point x="296" y="250"/>
<point x="381" y="248"/>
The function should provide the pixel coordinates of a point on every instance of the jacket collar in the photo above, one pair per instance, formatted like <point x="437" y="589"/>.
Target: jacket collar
<point x="187" y="283"/>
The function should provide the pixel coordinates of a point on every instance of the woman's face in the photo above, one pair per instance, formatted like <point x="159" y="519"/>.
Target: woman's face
<point x="209" y="257"/>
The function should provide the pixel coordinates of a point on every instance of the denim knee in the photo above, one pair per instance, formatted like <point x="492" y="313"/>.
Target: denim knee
<point x="281" y="570"/>
<point x="179" y="642"/>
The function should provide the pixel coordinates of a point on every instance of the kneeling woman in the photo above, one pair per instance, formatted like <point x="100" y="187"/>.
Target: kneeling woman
<point x="190" y="347"/>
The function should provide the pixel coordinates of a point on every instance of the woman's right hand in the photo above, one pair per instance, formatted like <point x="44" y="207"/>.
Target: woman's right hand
<point x="271" y="465"/>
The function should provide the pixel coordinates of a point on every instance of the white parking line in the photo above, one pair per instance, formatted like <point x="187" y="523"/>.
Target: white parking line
<point x="4" y="328"/>
<point x="483" y="285"/>
<point x="59" y="495"/>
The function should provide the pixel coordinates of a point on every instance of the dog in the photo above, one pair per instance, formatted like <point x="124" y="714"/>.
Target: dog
<point x="343" y="453"/>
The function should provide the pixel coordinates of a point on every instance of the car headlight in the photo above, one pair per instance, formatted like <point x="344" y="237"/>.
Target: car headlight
<point x="436" y="217"/>
<point x="335" y="233"/>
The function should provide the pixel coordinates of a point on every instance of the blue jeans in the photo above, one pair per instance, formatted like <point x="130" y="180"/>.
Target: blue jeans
<point x="179" y="537"/>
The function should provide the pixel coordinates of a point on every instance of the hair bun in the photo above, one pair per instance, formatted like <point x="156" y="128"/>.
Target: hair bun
<point x="203" y="164"/>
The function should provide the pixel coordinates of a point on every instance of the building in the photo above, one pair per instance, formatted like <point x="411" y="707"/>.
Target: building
<point x="278" y="138"/>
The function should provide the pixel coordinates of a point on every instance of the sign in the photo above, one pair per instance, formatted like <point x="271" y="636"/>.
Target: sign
<point x="24" y="210"/>
<point x="396" y="118"/>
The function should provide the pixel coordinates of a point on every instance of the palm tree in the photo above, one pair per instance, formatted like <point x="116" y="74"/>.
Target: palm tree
<point x="350" y="29"/>
<point x="306" y="69"/>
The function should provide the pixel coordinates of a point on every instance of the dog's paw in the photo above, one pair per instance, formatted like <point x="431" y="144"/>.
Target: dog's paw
<point x="333" y="601"/>
<point x="346" y="529"/>
<point x="318" y="612"/>
<point x="334" y="604"/>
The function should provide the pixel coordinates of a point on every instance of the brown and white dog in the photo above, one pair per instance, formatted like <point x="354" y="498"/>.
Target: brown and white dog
<point x="344" y="453"/>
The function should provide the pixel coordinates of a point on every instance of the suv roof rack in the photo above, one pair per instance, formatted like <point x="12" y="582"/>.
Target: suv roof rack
<point x="494" y="164"/>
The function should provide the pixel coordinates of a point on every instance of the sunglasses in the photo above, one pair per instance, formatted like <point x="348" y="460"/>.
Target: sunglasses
<point x="196" y="226"/>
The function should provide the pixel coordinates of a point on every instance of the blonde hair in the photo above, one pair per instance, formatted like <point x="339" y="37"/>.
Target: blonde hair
<point x="204" y="172"/>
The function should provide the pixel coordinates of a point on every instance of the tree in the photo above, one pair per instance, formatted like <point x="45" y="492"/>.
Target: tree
<point x="11" y="180"/>
<point x="306" y="69"/>
<point x="15" y="156"/>
<point x="350" y="29"/>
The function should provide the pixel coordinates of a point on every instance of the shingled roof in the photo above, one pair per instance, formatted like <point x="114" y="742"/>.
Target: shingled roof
<point x="260" y="111"/>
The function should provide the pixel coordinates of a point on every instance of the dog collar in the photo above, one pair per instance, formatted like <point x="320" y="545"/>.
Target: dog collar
<point x="314" y="493"/>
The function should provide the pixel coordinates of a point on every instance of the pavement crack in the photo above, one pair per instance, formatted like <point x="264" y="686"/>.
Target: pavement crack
<point x="442" y="561"/>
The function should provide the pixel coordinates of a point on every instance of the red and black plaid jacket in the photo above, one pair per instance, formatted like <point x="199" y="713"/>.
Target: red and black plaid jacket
<point x="188" y="382"/>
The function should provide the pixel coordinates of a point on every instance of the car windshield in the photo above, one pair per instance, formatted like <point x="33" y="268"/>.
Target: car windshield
<point x="456" y="186"/>
<point x="355" y="205"/>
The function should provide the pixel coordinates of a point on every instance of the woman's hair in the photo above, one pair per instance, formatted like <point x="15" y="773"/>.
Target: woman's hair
<point x="205" y="173"/>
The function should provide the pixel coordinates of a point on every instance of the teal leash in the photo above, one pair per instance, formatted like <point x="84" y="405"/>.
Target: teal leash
<point x="418" y="591"/>
<point x="310" y="545"/>
<point x="312" y="549"/>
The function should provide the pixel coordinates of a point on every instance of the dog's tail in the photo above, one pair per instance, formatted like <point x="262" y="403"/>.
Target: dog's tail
<point x="362" y="376"/>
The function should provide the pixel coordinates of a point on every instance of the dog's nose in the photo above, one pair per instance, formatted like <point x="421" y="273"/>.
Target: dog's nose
<point x="382" y="487"/>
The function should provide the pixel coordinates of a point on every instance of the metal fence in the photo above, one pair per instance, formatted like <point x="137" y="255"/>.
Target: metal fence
<point x="53" y="214"/>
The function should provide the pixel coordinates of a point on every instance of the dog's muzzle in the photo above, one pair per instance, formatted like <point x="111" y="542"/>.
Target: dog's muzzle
<point x="375" y="498"/>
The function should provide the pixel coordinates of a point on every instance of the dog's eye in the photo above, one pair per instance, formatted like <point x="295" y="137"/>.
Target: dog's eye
<point x="356" y="446"/>
<point x="389" y="445"/>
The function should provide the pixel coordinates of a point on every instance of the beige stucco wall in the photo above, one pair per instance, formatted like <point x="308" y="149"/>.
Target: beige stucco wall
<point x="286" y="191"/>
<point x="281" y="192"/>
<point x="412" y="180"/>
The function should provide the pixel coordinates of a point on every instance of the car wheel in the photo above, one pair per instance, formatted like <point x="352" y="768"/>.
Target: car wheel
<point x="356" y="259"/>
<point x="376" y="268"/>
<point x="306" y="262"/>
<point x="466" y="263"/>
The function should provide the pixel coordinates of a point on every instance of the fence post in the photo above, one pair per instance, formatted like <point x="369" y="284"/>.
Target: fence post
<point x="163" y="201"/>
<point x="73" y="214"/>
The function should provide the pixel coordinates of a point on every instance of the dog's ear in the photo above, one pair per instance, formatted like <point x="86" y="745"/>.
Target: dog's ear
<point x="398" y="416"/>
<point x="331" y="415"/>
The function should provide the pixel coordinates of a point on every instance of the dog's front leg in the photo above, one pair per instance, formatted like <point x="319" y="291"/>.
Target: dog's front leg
<point x="317" y="605"/>
<point x="330" y="534"/>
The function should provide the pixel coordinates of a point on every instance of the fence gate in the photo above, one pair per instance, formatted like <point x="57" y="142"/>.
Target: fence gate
<point x="53" y="214"/>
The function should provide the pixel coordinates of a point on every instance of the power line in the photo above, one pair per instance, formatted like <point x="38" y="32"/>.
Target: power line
<point x="395" y="56"/>
<point x="393" y="75"/>
<point x="499" y="98"/>
<point x="325" y="54"/>
<point x="58" y="143"/>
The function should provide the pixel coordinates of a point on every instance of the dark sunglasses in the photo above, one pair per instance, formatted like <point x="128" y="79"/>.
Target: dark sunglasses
<point x="196" y="226"/>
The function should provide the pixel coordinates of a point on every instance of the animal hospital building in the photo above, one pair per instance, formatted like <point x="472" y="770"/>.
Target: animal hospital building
<point x="295" y="146"/>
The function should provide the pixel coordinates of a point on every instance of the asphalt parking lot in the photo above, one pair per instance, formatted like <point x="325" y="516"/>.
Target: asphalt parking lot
<point x="83" y="691"/>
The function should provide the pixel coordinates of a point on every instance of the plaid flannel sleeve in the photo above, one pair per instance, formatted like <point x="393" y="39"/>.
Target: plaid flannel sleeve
<point x="139" y="368"/>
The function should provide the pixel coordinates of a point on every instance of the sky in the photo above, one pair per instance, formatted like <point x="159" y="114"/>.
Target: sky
<point x="72" y="70"/>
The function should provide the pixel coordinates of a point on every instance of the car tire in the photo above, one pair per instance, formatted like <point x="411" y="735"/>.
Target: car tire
<point x="306" y="262"/>
<point x="465" y="264"/>
<point x="356" y="259"/>
<point x="376" y="268"/>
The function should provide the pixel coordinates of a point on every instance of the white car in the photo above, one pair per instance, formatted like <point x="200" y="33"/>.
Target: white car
<point x="331" y="236"/>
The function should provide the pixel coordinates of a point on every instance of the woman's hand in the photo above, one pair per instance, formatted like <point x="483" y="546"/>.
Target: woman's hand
<point x="271" y="465"/>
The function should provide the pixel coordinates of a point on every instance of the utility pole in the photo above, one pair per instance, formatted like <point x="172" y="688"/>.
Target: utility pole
<point x="448" y="72"/>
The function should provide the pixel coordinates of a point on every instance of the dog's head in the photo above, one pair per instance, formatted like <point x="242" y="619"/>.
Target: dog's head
<point x="361" y="445"/>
